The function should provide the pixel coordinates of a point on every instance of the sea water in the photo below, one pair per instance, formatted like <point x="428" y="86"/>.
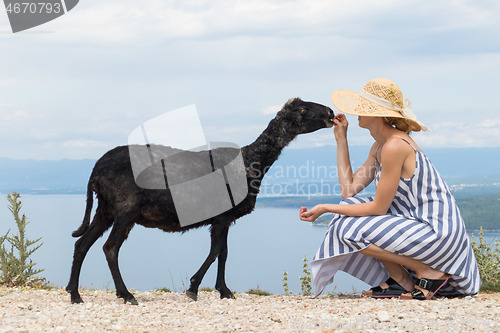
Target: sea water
<point x="262" y="246"/>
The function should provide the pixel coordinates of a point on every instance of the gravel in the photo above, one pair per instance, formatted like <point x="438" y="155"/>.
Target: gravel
<point x="32" y="310"/>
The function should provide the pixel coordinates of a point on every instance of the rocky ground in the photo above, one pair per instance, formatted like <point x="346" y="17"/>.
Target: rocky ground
<point x="31" y="310"/>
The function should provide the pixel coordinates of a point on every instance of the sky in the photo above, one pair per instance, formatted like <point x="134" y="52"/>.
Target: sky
<point x="79" y="85"/>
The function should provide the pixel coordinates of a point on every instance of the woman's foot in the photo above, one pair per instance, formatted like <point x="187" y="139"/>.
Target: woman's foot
<point x="369" y="293"/>
<point x="426" y="288"/>
<point x="390" y="288"/>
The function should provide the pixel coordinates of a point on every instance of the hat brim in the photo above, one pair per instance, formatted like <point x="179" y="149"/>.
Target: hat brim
<point x="350" y="102"/>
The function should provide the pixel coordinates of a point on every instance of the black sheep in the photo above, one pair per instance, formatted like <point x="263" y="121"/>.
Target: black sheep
<point x="122" y="203"/>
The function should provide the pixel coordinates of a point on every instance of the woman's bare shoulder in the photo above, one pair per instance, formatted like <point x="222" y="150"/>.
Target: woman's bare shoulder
<point x="395" y="146"/>
<point x="404" y="142"/>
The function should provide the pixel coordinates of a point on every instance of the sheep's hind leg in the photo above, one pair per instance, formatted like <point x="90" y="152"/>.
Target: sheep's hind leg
<point x="216" y="233"/>
<point x="220" y="284"/>
<point x="82" y="245"/>
<point x="111" y="248"/>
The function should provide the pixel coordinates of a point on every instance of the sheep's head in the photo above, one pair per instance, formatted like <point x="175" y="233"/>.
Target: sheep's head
<point x="306" y="117"/>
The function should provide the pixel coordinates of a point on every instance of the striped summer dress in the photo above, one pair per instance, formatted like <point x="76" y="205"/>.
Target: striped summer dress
<point x="423" y="222"/>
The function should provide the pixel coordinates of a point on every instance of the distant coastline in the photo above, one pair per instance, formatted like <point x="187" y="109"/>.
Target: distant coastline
<point x="310" y="171"/>
<point x="477" y="210"/>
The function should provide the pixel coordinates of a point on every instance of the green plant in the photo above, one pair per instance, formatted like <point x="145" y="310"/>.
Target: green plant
<point x="17" y="269"/>
<point x="305" y="280"/>
<point x="207" y="289"/>
<point x="331" y="293"/>
<point x="285" y="283"/>
<point x="163" y="290"/>
<point x="488" y="261"/>
<point x="258" y="292"/>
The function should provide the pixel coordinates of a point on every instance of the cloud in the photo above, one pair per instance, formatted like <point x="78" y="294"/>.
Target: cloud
<point x="124" y="21"/>
<point x="391" y="25"/>
<point x="82" y="143"/>
<point x="323" y="137"/>
<point x="109" y="66"/>
<point x="490" y="123"/>
<point x="271" y="109"/>
<point x="238" y="134"/>
<point x="7" y="115"/>
<point x="484" y="133"/>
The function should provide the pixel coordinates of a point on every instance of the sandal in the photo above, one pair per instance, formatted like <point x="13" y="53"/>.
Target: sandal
<point x="369" y="293"/>
<point x="394" y="290"/>
<point x="431" y="285"/>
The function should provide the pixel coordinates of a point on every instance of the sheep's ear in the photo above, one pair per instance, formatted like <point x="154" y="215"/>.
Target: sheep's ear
<point x="292" y="111"/>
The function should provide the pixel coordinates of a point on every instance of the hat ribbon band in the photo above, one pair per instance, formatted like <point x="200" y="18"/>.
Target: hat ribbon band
<point x="405" y="110"/>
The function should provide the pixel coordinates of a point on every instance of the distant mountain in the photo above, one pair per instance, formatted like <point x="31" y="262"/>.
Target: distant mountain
<point x="314" y="165"/>
<point x="450" y="162"/>
<point x="477" y="210"/>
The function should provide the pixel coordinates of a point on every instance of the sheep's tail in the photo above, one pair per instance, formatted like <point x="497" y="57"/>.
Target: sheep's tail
<point x="88" y="210"/>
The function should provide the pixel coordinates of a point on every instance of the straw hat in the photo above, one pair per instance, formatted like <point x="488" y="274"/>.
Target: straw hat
<point x="378" y="98"/>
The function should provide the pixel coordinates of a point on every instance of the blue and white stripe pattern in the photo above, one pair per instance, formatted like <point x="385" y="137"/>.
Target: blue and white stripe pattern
<point x="423" y="222"/>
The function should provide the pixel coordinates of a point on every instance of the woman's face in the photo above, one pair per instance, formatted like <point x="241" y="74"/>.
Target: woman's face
<point x="364" y="121"/>
<point x="368" y="122"/>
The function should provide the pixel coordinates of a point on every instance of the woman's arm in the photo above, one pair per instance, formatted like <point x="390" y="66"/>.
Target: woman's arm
<point x="392" y="158"/>
<point x="351" y="184"/>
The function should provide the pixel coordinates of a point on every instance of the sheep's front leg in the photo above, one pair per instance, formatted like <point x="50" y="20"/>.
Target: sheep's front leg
<point x="220" y="285"/>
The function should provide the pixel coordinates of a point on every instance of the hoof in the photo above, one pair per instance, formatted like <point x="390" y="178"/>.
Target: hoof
<point x="75" y="297"/>
<point x="76" y="300"/>
<point x="227" y="295"/>
<point x="127" y="298"/>
<point x="131" y="300"/>
<point x="192" y="295"/>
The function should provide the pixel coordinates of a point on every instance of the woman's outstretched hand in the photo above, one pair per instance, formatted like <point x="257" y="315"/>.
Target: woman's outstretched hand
<point x="340" y="126"/>
<point x="312" y="214"/>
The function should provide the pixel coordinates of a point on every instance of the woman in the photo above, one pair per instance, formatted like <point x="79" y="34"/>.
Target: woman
<point x="410" y="234"/>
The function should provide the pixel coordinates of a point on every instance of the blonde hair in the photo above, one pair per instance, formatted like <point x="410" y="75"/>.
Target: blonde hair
<point x="401" y="124"/>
